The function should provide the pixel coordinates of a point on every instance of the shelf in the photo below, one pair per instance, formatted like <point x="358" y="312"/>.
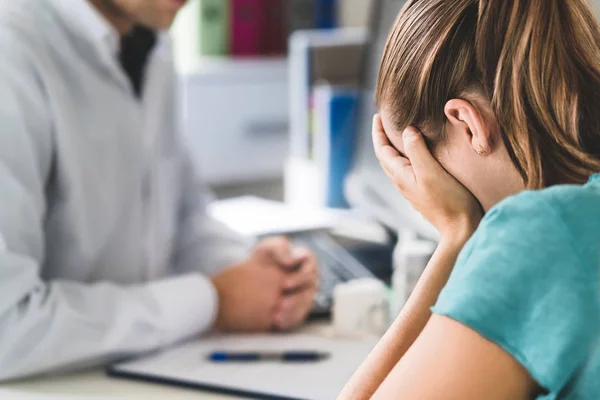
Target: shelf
<point x="245" y="69"/>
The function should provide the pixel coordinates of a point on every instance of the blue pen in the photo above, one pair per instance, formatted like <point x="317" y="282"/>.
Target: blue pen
<point x="286" y="356"/>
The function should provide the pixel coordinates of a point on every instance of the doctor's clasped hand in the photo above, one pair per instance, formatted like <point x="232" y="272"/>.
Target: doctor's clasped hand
<point x="273" y="288"/>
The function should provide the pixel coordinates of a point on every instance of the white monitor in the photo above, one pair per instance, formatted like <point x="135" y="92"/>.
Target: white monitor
<point x="367" y="188"/>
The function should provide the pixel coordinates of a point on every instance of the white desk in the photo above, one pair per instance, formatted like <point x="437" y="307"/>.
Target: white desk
<point x="94" y="384"/>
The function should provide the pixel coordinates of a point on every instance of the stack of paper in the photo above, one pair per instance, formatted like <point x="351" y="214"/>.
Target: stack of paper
<point x="253" y="216"/>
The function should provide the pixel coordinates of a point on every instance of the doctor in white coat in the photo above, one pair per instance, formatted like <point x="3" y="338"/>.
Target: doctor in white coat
<point x="105" y="247"/>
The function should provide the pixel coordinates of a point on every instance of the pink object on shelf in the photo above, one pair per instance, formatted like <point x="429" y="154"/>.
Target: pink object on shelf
<point x="248" y="20"/>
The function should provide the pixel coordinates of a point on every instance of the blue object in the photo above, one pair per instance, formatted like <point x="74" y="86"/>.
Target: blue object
<point x="336" y="139"/>
<point x="289" y="356"/>
<point x="343" y="142"/>
<point x="528" y="280"/>
<point x="325" y="14"/>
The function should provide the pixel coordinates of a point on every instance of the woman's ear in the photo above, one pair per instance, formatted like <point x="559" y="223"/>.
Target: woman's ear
<point x="467" y="120"/>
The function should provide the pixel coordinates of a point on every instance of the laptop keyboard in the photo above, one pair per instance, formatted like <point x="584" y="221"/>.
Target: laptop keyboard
<point x="337" y="265"/>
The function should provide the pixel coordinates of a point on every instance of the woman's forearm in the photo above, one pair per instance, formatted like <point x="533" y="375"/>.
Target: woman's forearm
<point x="408" y="325"/>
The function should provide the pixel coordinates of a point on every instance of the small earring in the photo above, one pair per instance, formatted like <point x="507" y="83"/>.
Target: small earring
<point x="480" y="151"/>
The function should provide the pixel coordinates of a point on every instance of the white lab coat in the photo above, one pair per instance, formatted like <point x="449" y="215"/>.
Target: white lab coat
<point x="104" y="241"/>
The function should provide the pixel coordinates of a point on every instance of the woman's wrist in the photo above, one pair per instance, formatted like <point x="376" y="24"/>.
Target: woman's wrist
<point x="459" y="233"/>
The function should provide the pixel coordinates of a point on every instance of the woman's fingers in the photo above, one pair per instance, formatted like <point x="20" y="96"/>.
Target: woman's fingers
<point x="397" y="167"/>
<point x="421" y="179"/>
<point x="416" y="154"/>
<point x="380" y="140"/>
<point x="423" y="163"/>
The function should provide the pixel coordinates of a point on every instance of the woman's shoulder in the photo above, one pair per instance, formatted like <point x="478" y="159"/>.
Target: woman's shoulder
<point x="559" y="198"/>
<point x="527" y="281"/>
<point x="567" y="216"/>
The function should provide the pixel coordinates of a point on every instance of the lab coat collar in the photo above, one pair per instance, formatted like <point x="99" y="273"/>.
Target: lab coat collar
<point x="84" y="19"/>
<point x="89" y="24"/>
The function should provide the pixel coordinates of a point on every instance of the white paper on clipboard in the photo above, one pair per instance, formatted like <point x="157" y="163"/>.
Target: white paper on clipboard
<point x="187" y="365"/>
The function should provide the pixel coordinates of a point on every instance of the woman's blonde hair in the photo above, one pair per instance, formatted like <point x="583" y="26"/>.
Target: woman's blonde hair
<point x="537" y="62"/>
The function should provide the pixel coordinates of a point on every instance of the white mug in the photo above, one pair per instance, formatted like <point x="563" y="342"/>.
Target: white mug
<point x="360" y="307"/>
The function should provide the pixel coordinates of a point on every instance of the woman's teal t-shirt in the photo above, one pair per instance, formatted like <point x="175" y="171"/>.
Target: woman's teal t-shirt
<point x="529" y="281"/>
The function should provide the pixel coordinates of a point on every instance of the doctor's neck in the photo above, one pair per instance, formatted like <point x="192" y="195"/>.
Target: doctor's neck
<point x="114" y="15"/>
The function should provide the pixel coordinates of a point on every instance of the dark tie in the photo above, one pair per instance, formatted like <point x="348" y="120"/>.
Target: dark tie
<point x="135" y="49"/>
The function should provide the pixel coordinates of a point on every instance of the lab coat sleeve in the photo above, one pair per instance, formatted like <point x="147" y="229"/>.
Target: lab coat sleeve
<point x="202" y="243"/>
<point x="54" y="325"/>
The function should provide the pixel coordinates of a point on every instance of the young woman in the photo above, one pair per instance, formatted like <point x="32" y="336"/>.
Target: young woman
<point x="489" y="125"/>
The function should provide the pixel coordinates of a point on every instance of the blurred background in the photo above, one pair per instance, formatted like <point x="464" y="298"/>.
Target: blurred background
<point x="250" y="98"/>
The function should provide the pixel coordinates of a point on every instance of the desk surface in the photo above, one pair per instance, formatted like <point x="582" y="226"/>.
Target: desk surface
<point x="94" y="384"/>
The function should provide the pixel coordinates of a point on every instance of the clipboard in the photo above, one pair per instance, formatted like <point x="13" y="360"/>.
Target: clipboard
<point x="187" y="366"/>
